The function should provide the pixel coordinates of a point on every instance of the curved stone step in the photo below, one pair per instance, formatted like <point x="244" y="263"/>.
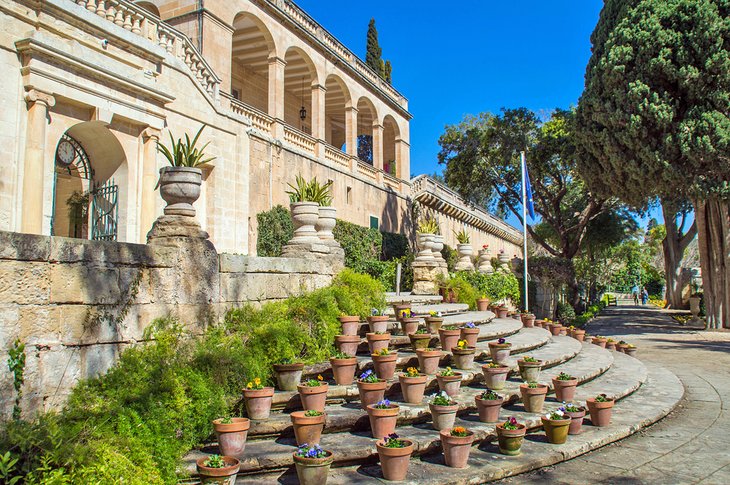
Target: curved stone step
<point x="423" y="310"/>
<point x="407" y="297"/>
<point x="394" y="327"/>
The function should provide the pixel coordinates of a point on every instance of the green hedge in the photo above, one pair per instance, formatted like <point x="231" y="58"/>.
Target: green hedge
<point x="496" y="286"/>
<point x="275" y="229"/>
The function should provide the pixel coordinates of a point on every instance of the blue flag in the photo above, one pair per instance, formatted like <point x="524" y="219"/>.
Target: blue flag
<point x="528" y="194"/>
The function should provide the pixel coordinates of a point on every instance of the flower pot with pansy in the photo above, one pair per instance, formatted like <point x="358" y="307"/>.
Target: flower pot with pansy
<point x="312" y="464"/>
<point x="449" y="381"/>
<point x="384" y="362"/>
<point x="495" y="375"/>
<point x="556" y="425"/>
<point x="600" y="408"/>
<point x="371" y="388"/>
<point x="510" y="435"/>
<point x="529" y="368"/>
<point x="564" y="385"/>
<point x="378" y="320"/>
<point x="395" y="455"/>
<point x="412" y="385"/>
<point x="577" y="414"/>
<point x="499" y="351"/>
<point x="313" y="393"/>
<point x="434" y="320"/>
<point x="463" y="355"/>
<point x="383" y="417"/>
<point x="489" y="404"/>
<point x="443" y="411"/>
<point x="456" y="444"/>
<point x="470" y="333"/>
<point x="258" y="399"/>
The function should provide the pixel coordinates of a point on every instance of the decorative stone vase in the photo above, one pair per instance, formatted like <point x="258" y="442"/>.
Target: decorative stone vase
<point x="438" y="245"/>
<point x="428" y="360"/>
<point x="382" y="421"/>
<point x="463" y="358"/>
<point x="347" y="344"/>
<point x="579" y="334"/>
<point x="394" y="461"/>
<point x="565" y="390"/>
<point x="180" y="187"/>
<point x="307" y="429"/>
<point x="258" y="402"/>
<point x="371" y="392"/>
<point x="465" y="252"/>
<point x="502" y="312"/>
<point x="288" y="376"/>
<point x="425" y="246"/>
<point x="326" y="221"/>
<point x="495" y="377"/>
<point x="456" y="448"/>
<point x="409" y="325"/>
<point x="434" y="324"/>
<point x="344" y="370"/>
<point x="600" y="341"/>
<point x="219" y="476"/>
<point x="378" y="323"/>
<point x="385" y="365"/>
<point x="232" y="436"/>
<point x="529" y="371"/>
<point x="556" y="430"/>
<point x="313" y="471"/>
<point x="413" y="388"/>
<point x="350" y="324"/>
<point x="471" y="335"/>
<point x="377" y="341"/>
<point x="449" y="384"/>
<point x="528" y="320"/>
<point x="576" y="420"/>
<point x="482" y="304"/>
<point x="420" y="340"/>
<point x="503" y="258"/>
<point x="449" y="338"/>
<point x="600" y="411"/>
<point x="485" y="262"/>
<point x="488" y="409"/>
<point x="499" y="352"/>
<point x="313" y="397"/>
<point x="533" y="399"/>
<point x="443" y="417"/>
<point x="510" y="440"/>
<point x="304" y="217"/>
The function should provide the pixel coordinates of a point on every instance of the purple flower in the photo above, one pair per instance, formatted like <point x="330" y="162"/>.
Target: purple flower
<point x="393" y="436"/>
<point x="469" y="325"/>
<point x="366" y="374"/>
<point x="501" y="341"/>
<point x="513" y="421"/>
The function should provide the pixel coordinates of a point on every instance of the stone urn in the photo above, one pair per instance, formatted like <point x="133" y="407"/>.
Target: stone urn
<point x="465" y="252"/>
<point x="304" y="216"/>
<point x="180" y="188"/>
<point x="325" y="223"/>
<point x="425" y="246"/>
<point x="485" y="262"/>
<point x="503" y="258"/>
<point x="438" y="245"/>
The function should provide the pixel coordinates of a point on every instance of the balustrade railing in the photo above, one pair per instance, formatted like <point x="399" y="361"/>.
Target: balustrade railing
<point x="299" y="139"/>
<point x="338" y="156"/>
<point x="260" y="120"/>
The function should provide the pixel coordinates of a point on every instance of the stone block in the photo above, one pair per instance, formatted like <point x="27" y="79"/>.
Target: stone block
<point x="236" y="263"/>
<point x="79" y="283"/>
<point x="103" y="253"/>
<point x="24" y="247"/>
<point x="9" y="325"/>
<point x="73" y="322"/>
<point x="39" y="324"/>
<point x="24" y="282"/>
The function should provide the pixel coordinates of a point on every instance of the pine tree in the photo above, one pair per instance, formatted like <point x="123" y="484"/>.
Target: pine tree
<point x="373" y="52"/>
<point x="388" y="72"/>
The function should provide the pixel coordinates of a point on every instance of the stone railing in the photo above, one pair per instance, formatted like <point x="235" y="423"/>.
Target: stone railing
<point x="367" y="170"/>
<point x="299" y="139"/>
<point x="131" y="17"/>
<point x="260" y="120"/>
<point x="338" y="156"/>
<point x="391" y="181"/>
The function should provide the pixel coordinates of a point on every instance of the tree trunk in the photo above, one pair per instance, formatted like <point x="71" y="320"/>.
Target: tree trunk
<point x="673" y="247"/>
<point x="713" y="226"/>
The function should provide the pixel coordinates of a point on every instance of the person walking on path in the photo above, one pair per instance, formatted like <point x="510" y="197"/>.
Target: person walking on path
<point x="635" y="294"/>
<point x="644" y="296"/>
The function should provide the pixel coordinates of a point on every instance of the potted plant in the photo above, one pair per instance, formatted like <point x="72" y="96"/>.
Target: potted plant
<point x="529" y="368"/>
<point x="502" y="257"/>
<point x="470" y="333"/>
<point x="343" y="368"/>
<point x="304" y="209"/>
<point x="420" y="339"/>
<point x="350" y="324"/>
<point x="413" y="385"/>
<point x="499" y="351"/>
<point x="564" y="385"/>
<point x="463" y="355"/>
<point x="621" y="345"/>
<point x="327" y="215"/>
<point x="556" y="328"/>
<point x="371" y="388"/>
<point x="533" y="396"/>
<point x="312" y="464"/>
<point x="610" y="344"/>
<point x="258" y="399"/>
<point x="489" y="403"/>
<point x="308" y="425"/>
<point x="434" y="320"/>
<point x="510" y="436"/>
<point x="180" y="182"/>
<point x="378" y="320"/>
<point x="495" y="375"/>
<point x="630" y="350"/>
<point x="216" y="469"/>
<point x="556" y="425"/>
<point x="563" y="330"/>
<point x="528" y="319"/>
<point x="443" y="411"/>
<point x="600" y="341"/>
<point x="383" y="417"/>
<point x="384" y="362"/>
<point x="483" y="304"/>
<point x="313" y="393"/>
<point x="288" y="374"/>
<point x="464" y="250"/>
<point x="408" y="323"/>
<point x="579" y="334"/>
<point x="449" y="381"/>
<point x="231" y="433"/>
<point x="600" y="408"/>
<point x="456" y="444"/>
<point x="428" y="360"/>
<point x="395" y="455"/>
<point x="347" y="344"/>
<point x="400" y="308"/>
<point x="576" y="413"/>
<point x="377" y="341"/>
<point x="502" y="311"/>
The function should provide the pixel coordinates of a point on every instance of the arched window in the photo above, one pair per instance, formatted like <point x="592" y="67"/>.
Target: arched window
<point x="73" y="180"/>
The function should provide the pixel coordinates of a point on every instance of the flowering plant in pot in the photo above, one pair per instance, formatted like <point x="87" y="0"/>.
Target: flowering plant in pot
<point x="510" y="435"/>
<point x="529" y="368"/>
<point x="258" y="399"/>
<point x="371" y="388"/>
<point x="413" y="385"/>
<point x="499" y="351"/>
<point x="216" y="469"/>
<point x="312" y="464"/>
<point x="456" y="443"/>
<point x="449" y="381"/>
<point x="402" y="310"/>
<point x="482" y="304"/>
<point x="308" y="425"/>
<point x="420" y="339"/>
<point x="449" y="336"/>
<point x="495" y="375"/>
<point x="556" y="424"/>
<point x="621" y="345"/>
<point x="434" y="320"/>
<point x="630" y="350"/>
<point x="600" y="408"/>
<point x="533" y="396"/>
<point x="304" y="204"/>
<point x="428" y="360"/>
<point x="313" y="393"/>
<point x="377" y="341"/>
<point x="564" y="385"/>
<point x="350" y="324"/>
<point x="556" y="328"/>
<point x="383" y="417"/>
<point x="463" y="355"/>
<point x="343" y="368"/>
<point x="579" y="334"/>
<point x="576" y="414"/>
<point x="489" y="403"/>
<point x="610" y="344"/>
<point x="384" y="362"/>
<point x="288" y="374"/>
<point x="528" y="319"/>
<point x="395" y="455"/>
<point x="409" y="324"/>
<point x="600" y="341"/>
<point x="231" y="433"/>
<point x="443" y="411"/>
<point x="470" y="333"/>
<point x="378" y="320"/>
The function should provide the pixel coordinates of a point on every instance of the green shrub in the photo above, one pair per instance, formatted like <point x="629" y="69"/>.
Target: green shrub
<point x="496" y="286"/>
<point x="275" y="229"/>
<point x="451" y="256"/>
<point x="565" y="313"/>
<point x="361" y="244"/>
<point x="465" y="292"/>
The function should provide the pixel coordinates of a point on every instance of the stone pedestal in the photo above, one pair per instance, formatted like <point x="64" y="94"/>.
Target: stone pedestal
<point x="465" y="252"/>
<point x="425" y="277"/>
<point x="168" y="228"/>
<point x="485" y="263"/>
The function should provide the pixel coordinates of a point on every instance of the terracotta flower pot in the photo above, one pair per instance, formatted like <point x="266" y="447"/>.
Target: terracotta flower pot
<point x="471" y="335"/>
<point x="610" y="345"/>
<point x="456" y="448"/>
<point x="630" y="351"/>
<point x="434" y="324"/>
<point x="420" y="340"/>
<point x="409" y="325"/>
<point x="502" y="312"/>
<point x="579" y="334"/>
<point x="495" y="377"/>
<point x="288" y="376"/>
<point x="344" y="370"/>
<point x="482" y="304"/>
<point x="576" y="420"/>
<point x="350" y="324"/>
<point x="529" y="371"/>
<point x="528" y="320"/>
<point x="377" y="341"/>
<point x="218" y="475"/>
<point x="564" y="390"/>
<point x="463" y="358"/>
<point x="510" y="440"/>
<point x="600" y="411"/>
<point x="499" y="352"/>
<point x="399" y="307"/>
<point x="314" y="397"/>
<point x="556" y="430"/>
<point x="563" y="331"/>
<point x="556" y="328"/>
<point x="394" y="461"/>
<point x="232" y="436"/>
<point x="258" y="402"/>
<point x="601" y="342"/>
<point x="385" y="365"/>
<point x="443" y="417"/>
<point x="313" y="471"/>
<point x="621" y="347"/>
<point x="371" y="392"/>
<point x="413" y="388"/>
<point x="347" y="344"/>
<point x="448" y="338"/>
<point x="533" y="398"/>
<point x="307" y="429"/>
<point x="449" y="384"/>
<point x="378" y="323"/>
<point x="382" y="421"/>
<point x="489" y="409"/>
<point x="428" y="360"/>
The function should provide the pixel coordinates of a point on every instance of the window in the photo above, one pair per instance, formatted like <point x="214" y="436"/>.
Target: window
<point x="374" y="222"/>
<point x="349" y="195"/>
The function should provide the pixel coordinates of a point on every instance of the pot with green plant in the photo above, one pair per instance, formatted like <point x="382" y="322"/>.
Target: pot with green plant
<point x="510" y="436"/>
<point x="533" y="396"/>
<point x="489" y="404"/>
<point x="304" y="210"/>
<point x="350" y="324"/>
<point x="449" y="336"/>
<point x="556" y="328"/>
<point x="371" y="388"/>
<point x="577" y="414"/>
<point x="564" y="385"/>
<point x="378" y="320"/>
<point x="621" y="345"/>
<point x="600" y="341"/>
<point x="312" y="464"/>
<point x="409" y="324"/>
<point x="347" y="344"/>
<point x="630" y="350"/>
<point x="470" y="333"/>
<point x="449" y="381"/>
<point x="420" y="339"/>
<point x="495" y="375"/>
<point x="610" y="344"/>
<point x="377" y="341"/>
<point x="395" y="455"/>
<point x="556" y="425"/>
<point x="463" y="355"/>
<point x="600" y="407"/>
<point x="313" y="393"/>
<point x="428" y="360"/>
<point x="579" y="334"/>
<point x="412" y="385"/>
<point x="231" y="434"/>
<point x="288" y="374"/>
<point x="308" y="425"/>
<point x="528" y="319"/>
<point x="529" y="368"/>
<point x="502" y="311"/>
<point x="258" y="399"/>
<point x="443" y="411"/>
<point x="499" y="351"/>
<point x="343" y="368"/>
<point x="464" y="250"/>
<point x="483" y="304"/>
<point x="383" y="417"/>
<point x="217" y="469"/>
<point x="434" y="320"/>
<point x="456" y="444"/>
<point x="384" y="362"/>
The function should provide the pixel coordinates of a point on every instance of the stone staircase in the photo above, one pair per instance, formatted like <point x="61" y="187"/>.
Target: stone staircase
<point x="644" y="394"/>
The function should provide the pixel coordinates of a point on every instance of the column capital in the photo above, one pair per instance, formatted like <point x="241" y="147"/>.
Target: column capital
<point x="35" y="96"/>
<point x="318" y="86"/>
<point x="276" y="60"/>
<point x="351" y="109"/>
<point x="377" y="125"/>
<point x="150" y="133"/>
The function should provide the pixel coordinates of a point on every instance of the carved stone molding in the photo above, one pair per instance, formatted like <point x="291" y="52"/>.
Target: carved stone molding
<point x="36" y="96"/>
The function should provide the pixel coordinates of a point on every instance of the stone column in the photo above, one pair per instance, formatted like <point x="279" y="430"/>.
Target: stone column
<point x="148" y="207"/>
<point x="35" y="150"/>
<point x="351" y="130"/>
<point x="378" y="145"/>
<point x="318" y="109"/>
<point x="402" y="159"/>
<point x="276" y="94"/>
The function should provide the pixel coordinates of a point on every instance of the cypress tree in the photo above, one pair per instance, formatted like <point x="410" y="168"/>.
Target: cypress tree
<point x="388" y="72"/>
<point x="373" y="52"/>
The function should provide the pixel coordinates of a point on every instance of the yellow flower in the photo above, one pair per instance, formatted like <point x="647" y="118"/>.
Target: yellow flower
<point x="462" y="344"/>
<point x="249" y="385"/>
<point x="319" y="377"/>
<point x="257" y="381"/>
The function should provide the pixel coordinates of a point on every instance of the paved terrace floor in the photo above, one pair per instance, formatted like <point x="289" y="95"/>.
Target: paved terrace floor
<point x="690" y="445"/>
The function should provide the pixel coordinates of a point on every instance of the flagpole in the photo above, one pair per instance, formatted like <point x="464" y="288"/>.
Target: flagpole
<point x="524" y="232"/>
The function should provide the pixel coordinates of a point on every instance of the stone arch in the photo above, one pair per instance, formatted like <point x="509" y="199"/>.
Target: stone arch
<point x="300" y="74"/>
<point x="252" y="47"/>
<point x="367" y="116"/>
<point x="337" y="100"/>
<point x="391" y="133"/>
